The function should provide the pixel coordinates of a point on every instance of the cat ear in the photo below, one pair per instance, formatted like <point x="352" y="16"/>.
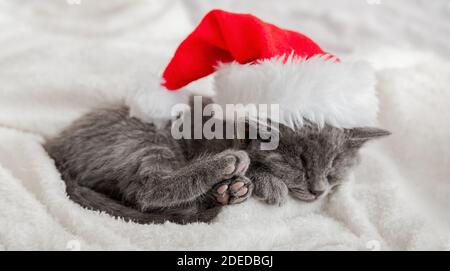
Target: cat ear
<point x="359" y="136"/>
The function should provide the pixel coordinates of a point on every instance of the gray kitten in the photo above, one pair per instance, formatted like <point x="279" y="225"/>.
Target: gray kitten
<point x="130" y="169"/>
<point x="309" y="162"/>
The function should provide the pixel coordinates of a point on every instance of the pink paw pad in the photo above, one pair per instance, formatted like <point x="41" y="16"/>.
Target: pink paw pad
<point x="232" y="192"/>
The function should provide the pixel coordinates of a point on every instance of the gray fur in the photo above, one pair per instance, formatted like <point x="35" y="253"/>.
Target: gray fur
<point x="308" y="163"/>
<point x="130" y="169"/>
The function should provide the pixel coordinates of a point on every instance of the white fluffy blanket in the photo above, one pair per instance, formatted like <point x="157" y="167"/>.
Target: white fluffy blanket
<point x="59" y="59"/>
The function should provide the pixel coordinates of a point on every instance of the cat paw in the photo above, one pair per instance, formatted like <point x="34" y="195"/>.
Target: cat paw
<point x="272" y="193"/>
<point x="233" y="191"/>
<point x="236" y="163"/>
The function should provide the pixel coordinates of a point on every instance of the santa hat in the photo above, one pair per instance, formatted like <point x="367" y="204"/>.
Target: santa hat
<point x="259" y="63"/>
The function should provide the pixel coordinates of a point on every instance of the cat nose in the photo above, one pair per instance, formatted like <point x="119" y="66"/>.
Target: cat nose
<point x="318" y="188"/>
<point x="317" y="193"/>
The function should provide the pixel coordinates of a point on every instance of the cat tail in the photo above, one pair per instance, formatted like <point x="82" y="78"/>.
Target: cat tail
<point x="93" y="200"/>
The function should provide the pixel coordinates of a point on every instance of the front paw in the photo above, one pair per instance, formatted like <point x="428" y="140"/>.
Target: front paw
<point x="271" y="192"/>
<point x="233" y="191"/>
<point x="234" y="163"/>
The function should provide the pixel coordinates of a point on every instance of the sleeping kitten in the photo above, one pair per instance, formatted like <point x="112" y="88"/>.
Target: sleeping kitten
<point x="308" y="163"/>
<point x="130" y="169"/>
<point x="117" y="164"/>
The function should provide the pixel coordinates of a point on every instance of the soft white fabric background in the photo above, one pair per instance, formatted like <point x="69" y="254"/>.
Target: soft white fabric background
<point x="59" y="59"/>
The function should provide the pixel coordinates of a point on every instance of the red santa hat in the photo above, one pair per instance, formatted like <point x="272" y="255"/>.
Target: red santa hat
<point x="255" y="62"/>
